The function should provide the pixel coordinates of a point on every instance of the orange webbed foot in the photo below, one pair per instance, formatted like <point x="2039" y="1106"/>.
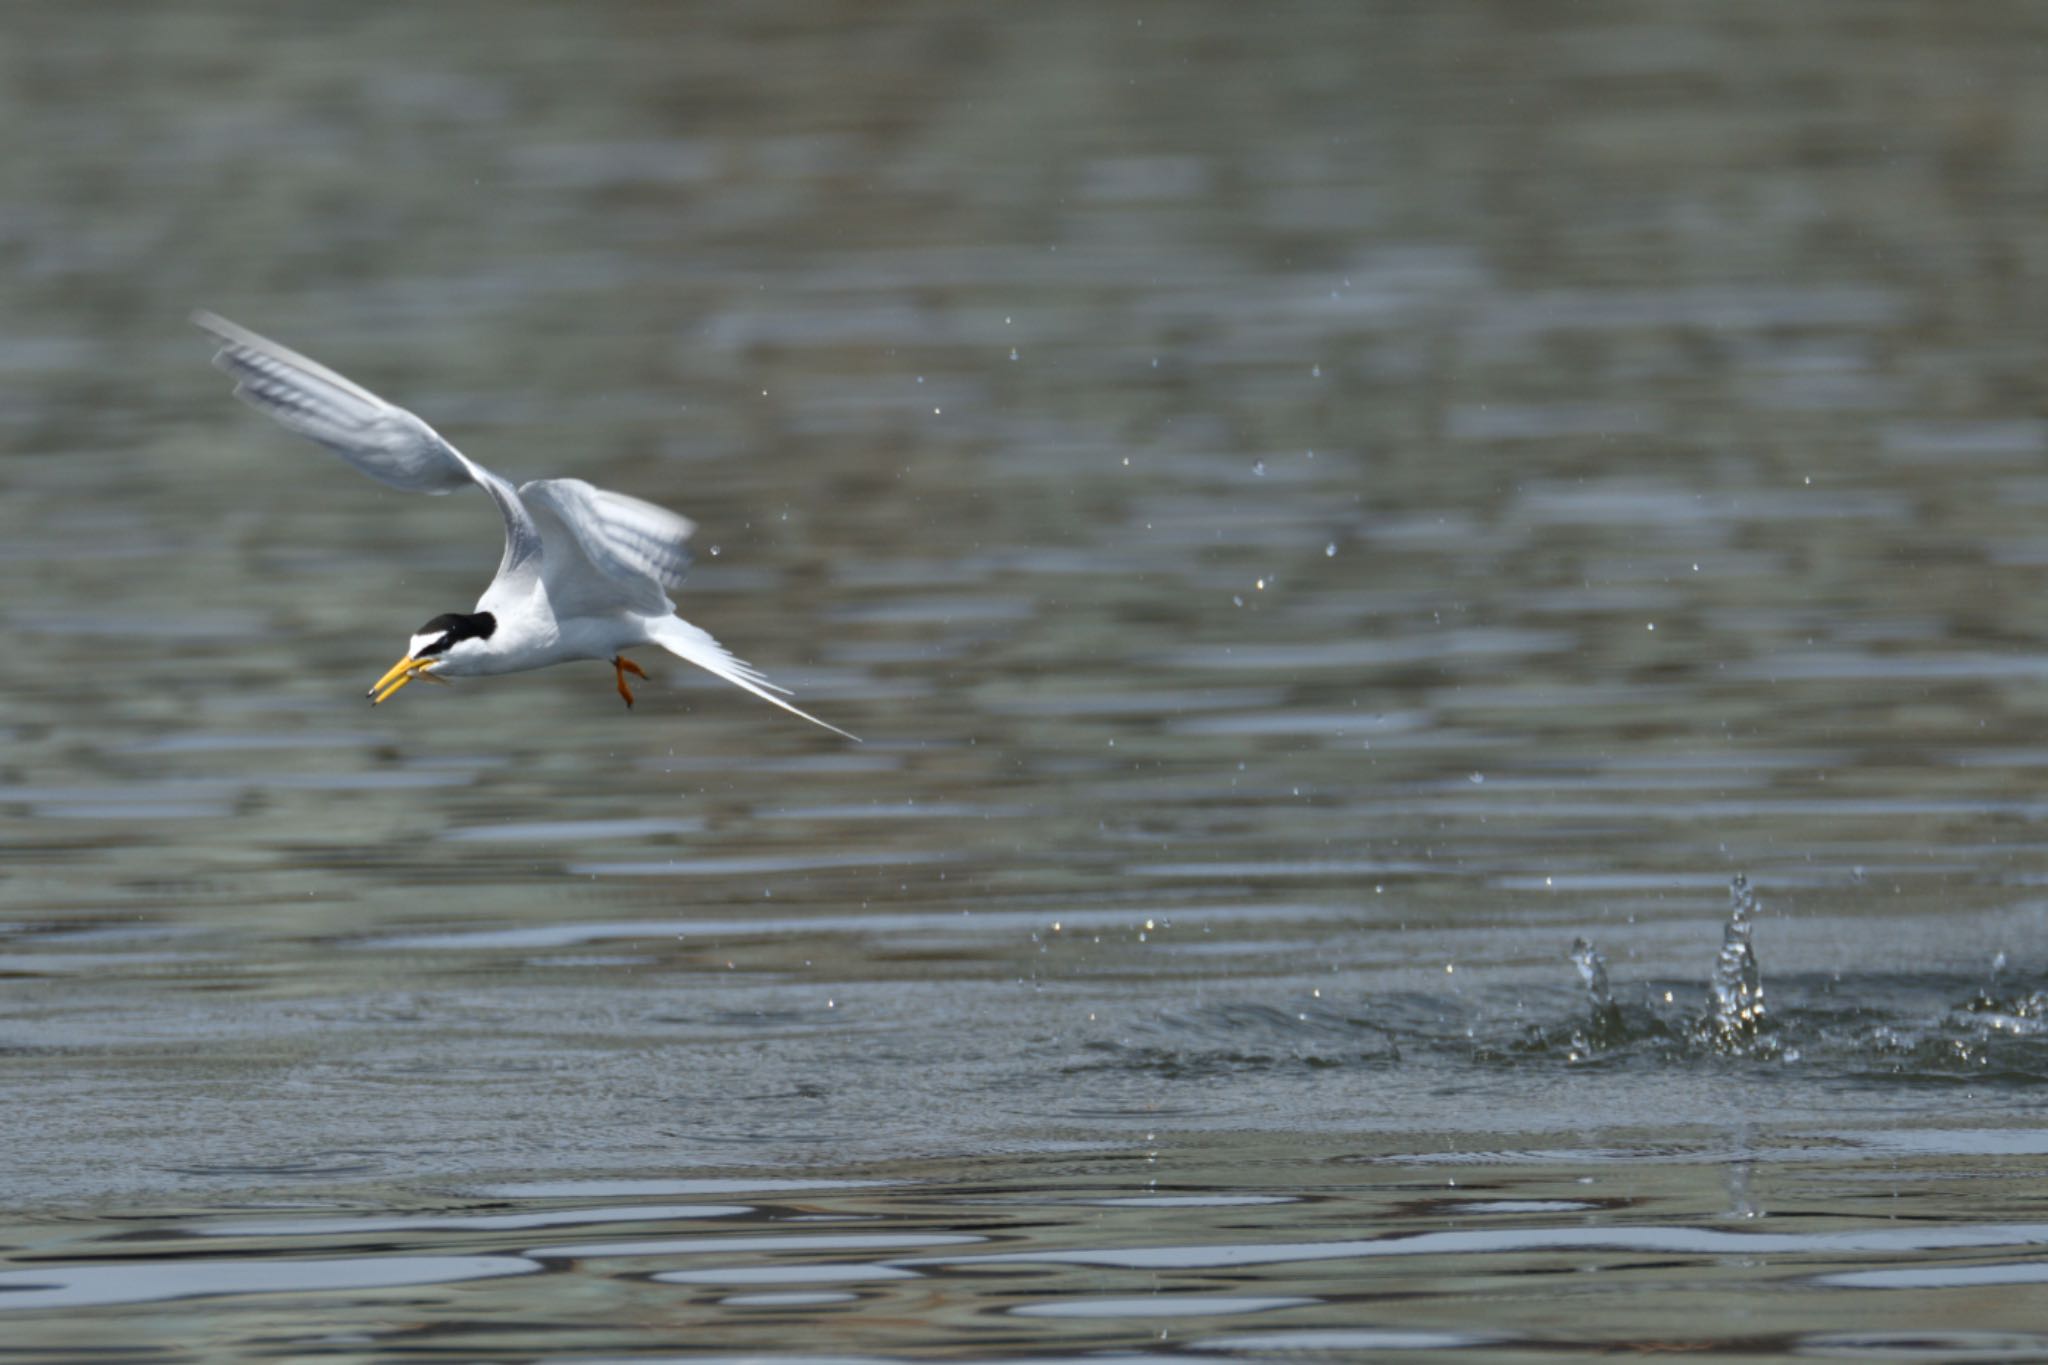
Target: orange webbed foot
<point x="623" y="666"/>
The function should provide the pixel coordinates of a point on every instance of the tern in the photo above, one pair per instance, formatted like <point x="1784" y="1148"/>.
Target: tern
<point x="585" y="574"/>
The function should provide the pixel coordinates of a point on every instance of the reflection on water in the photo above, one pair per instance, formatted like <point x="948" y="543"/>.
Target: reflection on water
<point x="89" y="1286"/>
<point x="1340" y="1248"/>
<point x="1315" y="518"/>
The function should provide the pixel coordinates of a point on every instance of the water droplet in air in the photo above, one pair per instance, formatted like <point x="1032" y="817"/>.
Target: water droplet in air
<point x="1013" y="353"/>
<point x="714" y="552"/>
<point x="1236" y="601"/>
<point x="1316" y="372"/>
<point x="1592" y="967"/>
<point x="1330" y="550"/>
<point x="1735" y="1005"/>
<point x="1259" y="468"/>
<point x="1478" y="779"/>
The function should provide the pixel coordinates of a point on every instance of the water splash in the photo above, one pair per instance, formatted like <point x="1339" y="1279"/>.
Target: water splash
<point x="1742" y="1203"/>
<point x="1995" y="1010"/>
<point x="1734" y="1021"/>
<point x="1995" y="1033"/>
<point x="1592" y="965"/>
<point x="1604" y="1028"/>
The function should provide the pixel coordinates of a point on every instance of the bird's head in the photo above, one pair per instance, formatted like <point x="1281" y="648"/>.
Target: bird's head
<point x="452" y="638"/>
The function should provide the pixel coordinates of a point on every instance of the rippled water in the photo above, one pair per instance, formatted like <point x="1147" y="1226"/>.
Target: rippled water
<point x="1345" y="530"/>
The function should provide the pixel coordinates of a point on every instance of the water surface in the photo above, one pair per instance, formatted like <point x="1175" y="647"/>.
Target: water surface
<point x="1315" y="513"/>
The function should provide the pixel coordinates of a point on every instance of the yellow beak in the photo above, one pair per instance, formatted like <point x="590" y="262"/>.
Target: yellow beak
<point x="402" y="672"/>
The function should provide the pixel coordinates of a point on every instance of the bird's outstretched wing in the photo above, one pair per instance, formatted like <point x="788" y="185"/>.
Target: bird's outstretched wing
<point x="606" y="549"/>
<point x="638" y="551"/>
<point x="384" y="441"/>
<point x="695" y="644"/>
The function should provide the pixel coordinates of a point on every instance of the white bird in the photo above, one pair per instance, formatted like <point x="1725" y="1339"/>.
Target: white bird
<point x="586" y="571"/>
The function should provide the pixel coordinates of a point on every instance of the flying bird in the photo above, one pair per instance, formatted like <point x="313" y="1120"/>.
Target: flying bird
<point x="586" y="572"/>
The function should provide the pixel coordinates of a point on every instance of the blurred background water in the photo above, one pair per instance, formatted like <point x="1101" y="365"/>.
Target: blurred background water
<point x="1315" y="509"/>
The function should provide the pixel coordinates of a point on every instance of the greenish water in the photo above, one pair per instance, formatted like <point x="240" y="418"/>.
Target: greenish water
<point x="1313" y="510"/>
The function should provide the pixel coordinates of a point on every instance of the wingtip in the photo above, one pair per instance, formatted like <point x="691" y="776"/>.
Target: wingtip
<point x="799" y="711"/>
<point x="234" y="333"/>
<point x="846" y="734"/>
<point x="226" y="334"/>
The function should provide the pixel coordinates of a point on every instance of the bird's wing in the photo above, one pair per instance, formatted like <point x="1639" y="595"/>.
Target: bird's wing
<point x="696" y="644"/>
<point x="386" y="442"/>
<point x="637" y="551"/>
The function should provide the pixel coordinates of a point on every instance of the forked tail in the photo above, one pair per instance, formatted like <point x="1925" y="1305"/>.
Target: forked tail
<point x="686" y="641"/>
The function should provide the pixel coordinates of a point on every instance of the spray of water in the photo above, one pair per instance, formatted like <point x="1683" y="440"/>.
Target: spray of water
<point x="1999" y="1034"/>
<point x="1996" y="1010"/>
<point x="1734" y="1020"/>
<point x="1604" y="1028"/>
<point x="1592" y="965"/>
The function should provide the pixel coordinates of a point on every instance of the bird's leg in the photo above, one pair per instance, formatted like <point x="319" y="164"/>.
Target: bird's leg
<point x="624" y="666"/>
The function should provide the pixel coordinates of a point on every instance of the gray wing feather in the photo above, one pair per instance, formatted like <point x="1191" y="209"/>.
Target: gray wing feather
<point x="384" y="441"/>
<point x="695" y="644"/>
<point x="642" y="548"/>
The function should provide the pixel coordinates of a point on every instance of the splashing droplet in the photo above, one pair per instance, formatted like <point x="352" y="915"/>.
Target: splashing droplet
<point x="1592" y="965"/>
<point x="1735" y="1000"/>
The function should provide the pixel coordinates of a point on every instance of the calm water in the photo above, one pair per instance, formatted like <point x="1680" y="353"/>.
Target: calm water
<point x="1316" y="512"/>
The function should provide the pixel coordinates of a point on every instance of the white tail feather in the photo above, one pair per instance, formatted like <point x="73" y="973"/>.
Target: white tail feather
<point x="695" y="644"/>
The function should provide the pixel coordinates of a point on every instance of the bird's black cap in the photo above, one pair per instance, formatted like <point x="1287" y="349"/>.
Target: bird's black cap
<point x="451" y="626"/>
